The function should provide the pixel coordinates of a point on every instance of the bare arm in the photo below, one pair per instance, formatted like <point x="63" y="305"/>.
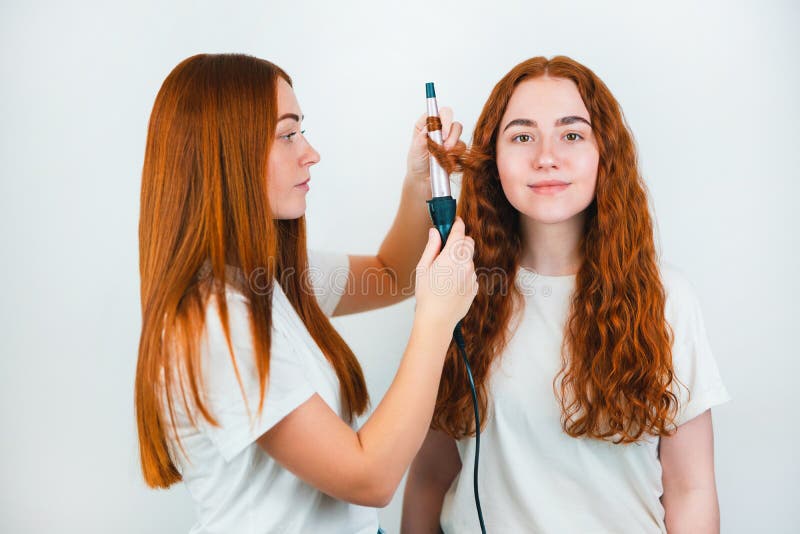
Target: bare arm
<point x="690" y="490"/>
<point x="431" y="474"/>
<point x="388" y="277"/>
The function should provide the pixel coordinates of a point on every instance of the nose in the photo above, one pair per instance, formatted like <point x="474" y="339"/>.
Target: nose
<point x="545" y="158"/>
<point x="310" y="156"/>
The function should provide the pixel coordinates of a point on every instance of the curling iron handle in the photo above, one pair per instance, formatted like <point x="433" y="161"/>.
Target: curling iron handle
<point x="443" y="213"/>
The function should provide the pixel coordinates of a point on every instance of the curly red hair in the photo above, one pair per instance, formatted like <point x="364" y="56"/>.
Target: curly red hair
<point x="616" y="377"/>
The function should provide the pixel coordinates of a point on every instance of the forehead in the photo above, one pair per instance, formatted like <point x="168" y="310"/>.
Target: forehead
<point x="287" y="101"/>
<point x="545" y="98"/>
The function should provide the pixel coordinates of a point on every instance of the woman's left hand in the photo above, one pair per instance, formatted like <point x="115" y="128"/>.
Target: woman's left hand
<point x="418" y="172"/>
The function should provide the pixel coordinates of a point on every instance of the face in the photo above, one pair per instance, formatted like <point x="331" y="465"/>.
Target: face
<point x="547" y="154"/>
<point x="289" y="160"/>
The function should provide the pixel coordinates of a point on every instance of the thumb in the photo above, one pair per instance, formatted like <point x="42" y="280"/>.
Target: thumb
<point x="457" y="231"/>
<point x="431" y="249"/>
<point x="456" y="237"/>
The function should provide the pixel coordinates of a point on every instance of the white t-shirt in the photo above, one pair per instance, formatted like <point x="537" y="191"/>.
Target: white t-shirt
<point x="535" y="478"/>
<point x="236" y="486"/>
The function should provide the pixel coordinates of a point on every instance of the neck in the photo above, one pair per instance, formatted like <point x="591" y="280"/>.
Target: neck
<point x="552" y="249"/>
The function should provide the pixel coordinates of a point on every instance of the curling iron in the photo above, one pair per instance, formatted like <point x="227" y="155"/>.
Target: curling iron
<point x="442" y="208"/>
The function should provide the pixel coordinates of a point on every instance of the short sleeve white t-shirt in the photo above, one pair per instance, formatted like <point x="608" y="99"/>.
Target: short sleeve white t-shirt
<point x="533" y="476"/>
<point x="236" y="487"/>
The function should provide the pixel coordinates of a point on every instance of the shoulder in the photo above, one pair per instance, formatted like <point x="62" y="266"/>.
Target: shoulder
<point x="682" y="308"/>
<point x="329" y="273"/>
<point x="678" y="288"/>
<point x="699" y="384"/>
<point x="237" y="306"/>
<point x="229" y="357"/>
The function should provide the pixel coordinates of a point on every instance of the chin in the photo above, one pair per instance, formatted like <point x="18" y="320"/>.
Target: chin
<point x="549" y="218"/>
<point x="283" y="217"/>
<point x="290" y="214"/>
<point x="548" y="214"/>
<point x="551" y="210"/>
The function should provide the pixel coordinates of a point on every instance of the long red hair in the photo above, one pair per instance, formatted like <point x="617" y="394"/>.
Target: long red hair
<point x="204" y="204"/>
<point x="616" y="377"/>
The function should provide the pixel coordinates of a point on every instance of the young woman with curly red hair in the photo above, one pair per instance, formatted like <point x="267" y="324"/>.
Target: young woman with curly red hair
<point x="592" y="366"/>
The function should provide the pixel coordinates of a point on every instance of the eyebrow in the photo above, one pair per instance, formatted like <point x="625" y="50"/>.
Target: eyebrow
<point x="563" y="121"/>
<point x="291" y="116"/>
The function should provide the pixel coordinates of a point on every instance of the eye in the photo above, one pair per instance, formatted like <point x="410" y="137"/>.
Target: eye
<point x="572" y="136"/>
<point x="522" y="138"/>
<point x="290" y="136"/>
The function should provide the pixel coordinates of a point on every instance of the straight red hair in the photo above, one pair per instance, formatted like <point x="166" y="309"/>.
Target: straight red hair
<point x="204" y="204"/>
<point x="616" y="376"/>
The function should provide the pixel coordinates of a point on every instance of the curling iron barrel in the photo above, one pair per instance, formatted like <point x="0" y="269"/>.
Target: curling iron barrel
<point x="442" y="206"/>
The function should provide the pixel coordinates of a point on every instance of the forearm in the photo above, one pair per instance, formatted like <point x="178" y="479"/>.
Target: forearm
<point x="691" y="511"/>
<point x="407" y="236"/>
<point x="395" y="431"/>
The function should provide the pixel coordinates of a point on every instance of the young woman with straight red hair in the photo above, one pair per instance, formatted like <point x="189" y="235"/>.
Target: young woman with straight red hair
<point x="244" y="390"/>
<point x="592" y="366"/>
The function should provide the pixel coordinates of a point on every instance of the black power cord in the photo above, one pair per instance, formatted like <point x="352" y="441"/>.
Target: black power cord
<point x="462" y="349"/>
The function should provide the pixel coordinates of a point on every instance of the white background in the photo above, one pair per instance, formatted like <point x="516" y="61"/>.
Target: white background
<point x="709" y="90"/>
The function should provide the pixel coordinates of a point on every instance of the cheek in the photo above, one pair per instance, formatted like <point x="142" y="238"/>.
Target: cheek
<point x="583" y="171"/>
<point x="586" y="166"/>
<point x="273" y="187"/>
<point x="276" y="191"/>
<point x="513" y="169"/>
<point x="279" y="176"/>
<point x="276" y="172"/>
<point x="285" y="201"/>
<point x="512" y="179"/>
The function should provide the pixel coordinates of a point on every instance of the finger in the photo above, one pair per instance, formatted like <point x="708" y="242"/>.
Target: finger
<point x="454" y="135"/>
<point x="456" y="235"/>
<point x="446" y="115"/>
<point x="421" y="138"/>
<point x="458" y="228"/>
<point x="431" y="249"/>
<point x="421" y="122"/>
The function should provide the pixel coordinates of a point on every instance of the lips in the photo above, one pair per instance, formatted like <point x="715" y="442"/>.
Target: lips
<point x="303" y="185"/>
<point x="549" y="187"/>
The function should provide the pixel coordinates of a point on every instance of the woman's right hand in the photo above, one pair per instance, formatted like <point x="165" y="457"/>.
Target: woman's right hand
<point x="446" y="283"/>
